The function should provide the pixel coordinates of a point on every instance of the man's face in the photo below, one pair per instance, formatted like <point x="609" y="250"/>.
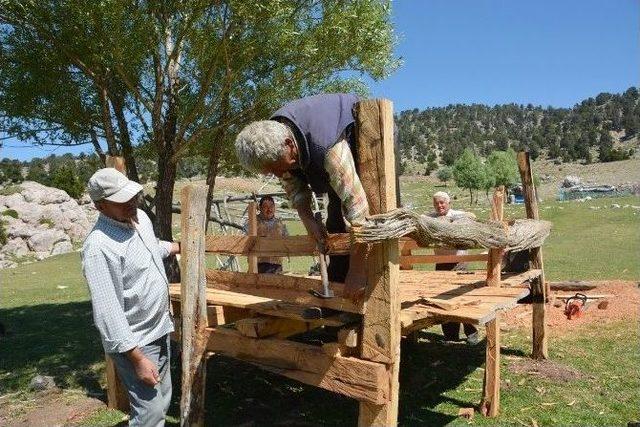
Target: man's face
<point x="285" y="163"/>
<point x="267" y="209"/>
<point x="123" y="212"/>
<point x="441" y="206"/>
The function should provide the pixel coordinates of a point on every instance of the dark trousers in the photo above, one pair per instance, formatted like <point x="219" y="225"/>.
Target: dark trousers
<point x="338" y="264"/>
<point x="268" y="267"/>
<point x="451" y="330"/>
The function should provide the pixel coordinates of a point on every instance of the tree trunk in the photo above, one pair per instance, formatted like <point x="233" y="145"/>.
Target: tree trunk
<point x="470" y="197"/>
<point x="212" y="173"/>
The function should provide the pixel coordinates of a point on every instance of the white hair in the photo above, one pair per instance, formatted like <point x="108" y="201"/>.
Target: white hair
<point x="442" y="195"/>
<point x="261" y="142"/>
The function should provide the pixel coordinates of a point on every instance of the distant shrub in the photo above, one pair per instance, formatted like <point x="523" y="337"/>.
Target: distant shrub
<point x="46" y="221"/>
<point x="3" y="234"/>
<point x="10" y="189"/>
<point x="10" y="212"/>
<point x="65" y="179"/>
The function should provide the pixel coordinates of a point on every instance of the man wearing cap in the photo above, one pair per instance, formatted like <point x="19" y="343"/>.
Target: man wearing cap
<point x="122" y="263"/>
<point x="442" y="210"/>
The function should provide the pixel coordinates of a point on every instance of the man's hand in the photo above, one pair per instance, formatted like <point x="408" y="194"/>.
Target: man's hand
<point x="146" y="370"/>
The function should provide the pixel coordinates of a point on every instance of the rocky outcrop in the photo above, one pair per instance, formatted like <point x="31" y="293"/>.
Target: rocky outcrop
<point x="49" y="222"/>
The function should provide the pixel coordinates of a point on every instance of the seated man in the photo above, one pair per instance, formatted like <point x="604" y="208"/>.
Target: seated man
<point x="308" y="144"/>
<point x="441" y="206"/>
<point x="269" y="226"/>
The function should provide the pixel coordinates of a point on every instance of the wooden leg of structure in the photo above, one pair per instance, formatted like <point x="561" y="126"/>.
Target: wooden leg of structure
<point x="538" y="290"/>
<point x="491" y="391"/>
<point x="117" y="396"/>
<point x="380" y="337"/>
<point x="193" y="306"/>
<point x="491" y="400"/>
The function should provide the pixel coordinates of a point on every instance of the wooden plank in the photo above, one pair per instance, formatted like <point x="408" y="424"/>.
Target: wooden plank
<point x="437" y="259"/>
<point x="515" y="279"/>
<point x="266" y="326"/>
<point x="193" y="305"/>
<point x="117" y="395"/>
<point x="405" y="251"/>
<point x="252" y="260"/>
<point x="494" y="263"/>
<point x="380" y="337"/>
<point x="538" y="288"/>
<point x="256" y="304"/>
<point x="359" y="379"/>
<point x="337" y="244"/>
<point x="293" y="289"/>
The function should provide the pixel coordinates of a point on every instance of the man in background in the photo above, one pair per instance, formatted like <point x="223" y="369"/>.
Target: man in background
<point x="442" y="209"/>
<point x="269" y="226"/>
<point x="122" y="263"/>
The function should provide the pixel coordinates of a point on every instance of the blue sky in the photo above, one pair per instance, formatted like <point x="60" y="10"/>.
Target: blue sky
<point x="491" y="52"/>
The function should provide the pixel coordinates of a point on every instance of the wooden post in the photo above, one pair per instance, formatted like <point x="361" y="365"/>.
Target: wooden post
<point x="490" y="405"/>
<point x="380" y="337"/>
<point x="538" y="289"/>
<point x="253" y="231"/>
<point x="193" y="305"/>
<point x="117" y="396"/>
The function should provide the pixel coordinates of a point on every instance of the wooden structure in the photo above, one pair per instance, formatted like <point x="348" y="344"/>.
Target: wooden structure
<point x="248" y="316"/>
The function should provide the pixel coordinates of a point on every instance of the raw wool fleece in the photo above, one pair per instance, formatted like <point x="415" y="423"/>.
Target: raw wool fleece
<point x="459" y="232"/>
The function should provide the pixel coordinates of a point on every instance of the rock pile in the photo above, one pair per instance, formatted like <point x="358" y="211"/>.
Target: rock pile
<point x="41" y="221"/>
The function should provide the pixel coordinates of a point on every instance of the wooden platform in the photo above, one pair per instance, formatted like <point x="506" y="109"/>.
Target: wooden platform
<point x="427" y="297"/>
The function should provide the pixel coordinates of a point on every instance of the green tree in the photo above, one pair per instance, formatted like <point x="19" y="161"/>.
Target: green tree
<point x="10" y="172"/>
<point x="445" y="174"/>
<point x="66" y="179"/>
<point x="179" y="77"/>
<point x="502" y="167"/>
<point x="37" y="172"/>
<point x="468" y="172"/>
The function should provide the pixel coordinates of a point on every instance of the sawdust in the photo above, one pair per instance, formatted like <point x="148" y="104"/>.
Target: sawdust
<point x="545" y="369"/>
<point x="624" y="305"/>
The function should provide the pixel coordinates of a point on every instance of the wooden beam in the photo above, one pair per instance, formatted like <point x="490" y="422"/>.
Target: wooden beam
<point x="380" y="337"/>
<point x="253" y="304"/>
<point x="117" y="395"/>
<point x="491" y="391"/>
<point x="359" y="379"/>
<point x="252" y="211"/>
<point x="266" y="326"/>
<point x="437" y="259"/>
<point x="292" y="289"/>
<point x="193" y="305"/>
<point x="538" y="287"/>
<point x="337" y="244"/>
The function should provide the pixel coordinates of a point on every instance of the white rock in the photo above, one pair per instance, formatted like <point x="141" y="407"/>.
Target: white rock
<point x="16" y="247"/>
<point x="18" y="228"/>
<point x="38" y="193"/>
<point x="44" y="240"/>
<point x="615" y="206"/>
<point x="7" y="264"/>
<point x="62" y="248"/>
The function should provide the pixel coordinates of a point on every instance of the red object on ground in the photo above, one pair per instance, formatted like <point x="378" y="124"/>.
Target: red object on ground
<point x="575" y="306"/>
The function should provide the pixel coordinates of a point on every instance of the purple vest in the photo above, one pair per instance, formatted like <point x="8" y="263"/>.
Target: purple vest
<point x="318" y="121"/>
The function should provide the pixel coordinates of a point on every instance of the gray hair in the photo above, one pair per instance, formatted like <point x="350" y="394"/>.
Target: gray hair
<point x="442" y="195"/>
<point x="261" y="142"/>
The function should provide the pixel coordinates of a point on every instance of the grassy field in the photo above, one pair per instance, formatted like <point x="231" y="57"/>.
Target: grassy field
<point x="45" y="308"/>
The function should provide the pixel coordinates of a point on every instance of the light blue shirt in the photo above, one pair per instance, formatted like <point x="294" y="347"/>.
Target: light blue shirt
<point x="129" y="289"/>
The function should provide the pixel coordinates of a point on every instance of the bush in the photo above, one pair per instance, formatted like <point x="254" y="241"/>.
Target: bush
<point x="65" y="179"/>
<point x="10" y="212"/>
<point x="3" y="234"/>
<point x="46" y="221"/>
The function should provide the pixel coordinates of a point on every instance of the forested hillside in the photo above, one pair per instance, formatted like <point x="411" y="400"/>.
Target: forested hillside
<point x="595" y="130"/>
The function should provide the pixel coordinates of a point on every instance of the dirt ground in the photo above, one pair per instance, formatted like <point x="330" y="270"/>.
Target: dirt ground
<point x="70" y="408"/>
<point x="624" y="303"/>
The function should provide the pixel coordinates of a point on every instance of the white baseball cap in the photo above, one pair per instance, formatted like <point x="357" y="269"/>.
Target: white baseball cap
<point x="110" y="184"/>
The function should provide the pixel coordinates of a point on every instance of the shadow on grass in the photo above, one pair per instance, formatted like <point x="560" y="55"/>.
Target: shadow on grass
<point x="60" y="340"/>
<point x="50" y="339"/>
<point x="239" y="394"/>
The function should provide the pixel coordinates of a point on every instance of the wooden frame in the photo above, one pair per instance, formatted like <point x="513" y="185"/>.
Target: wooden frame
<point x="364" y="362"/>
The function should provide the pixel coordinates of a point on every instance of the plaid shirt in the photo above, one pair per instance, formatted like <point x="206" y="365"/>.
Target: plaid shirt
<point x="129" y="289"/>
<point x="343" y="180"/>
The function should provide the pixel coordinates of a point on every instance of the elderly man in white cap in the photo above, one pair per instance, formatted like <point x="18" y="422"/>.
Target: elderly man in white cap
<point x="122" y="262"/>
<point x="442" y="209"/>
